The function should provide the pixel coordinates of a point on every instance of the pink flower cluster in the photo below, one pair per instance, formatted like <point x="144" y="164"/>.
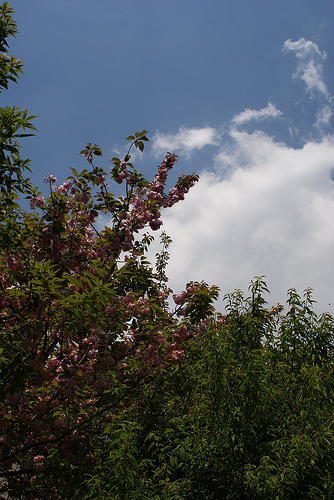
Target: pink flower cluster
<point x="148" y="203"/>
<point x="39" y="459"/>
<point x="14" y="263"/>
<point x="175" y="194"/>
<point x="50" y="179"/>
<point x="179" y="298"/>
<point x="79" y="318"/>
<point x="37" y="202"/>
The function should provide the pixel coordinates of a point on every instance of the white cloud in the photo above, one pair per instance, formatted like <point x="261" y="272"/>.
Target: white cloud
<point x="324" y="116"/>
<point x="273" y="216"/>
<point x="267" y="209"/>
<point x="309" y="70"/>
<point x="310" y="65"/>
<point x="186" y="140"/>
<point x="270" y="111"/>
<point x="304" y="48"/>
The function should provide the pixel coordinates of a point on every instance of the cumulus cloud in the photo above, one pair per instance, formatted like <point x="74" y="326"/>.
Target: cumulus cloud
<point x="270" y="111"/>
<point x="185" y="140"/>
<point x="273" y="215"/>
<point x="266" y="209"/>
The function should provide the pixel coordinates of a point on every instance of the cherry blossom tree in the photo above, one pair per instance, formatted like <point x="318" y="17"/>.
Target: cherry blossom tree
<point x="85" y="320"/>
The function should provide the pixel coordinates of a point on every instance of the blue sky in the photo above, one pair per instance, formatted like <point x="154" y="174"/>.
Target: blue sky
<point x="241" y="90"/>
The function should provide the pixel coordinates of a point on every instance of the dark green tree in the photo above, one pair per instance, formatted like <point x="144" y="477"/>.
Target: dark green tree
<point x="248" y="414"/>
<point x="13" y="124"/>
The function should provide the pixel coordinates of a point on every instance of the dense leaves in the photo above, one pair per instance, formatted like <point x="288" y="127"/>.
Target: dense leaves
<point x="13" y="125"/>
<point x="247" y="414"/>
<point x="84" y="322"/>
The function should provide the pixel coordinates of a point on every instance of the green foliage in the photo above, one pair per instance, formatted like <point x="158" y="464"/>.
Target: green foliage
<point x="162" y="258"/>
<point x="12" y="121"/>
<point x="10" y="68"/>
<point x="12" y="179"/>
<point x="248" y="414"/>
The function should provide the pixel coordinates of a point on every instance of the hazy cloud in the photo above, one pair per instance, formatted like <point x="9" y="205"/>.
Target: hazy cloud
<point x="324" y="115"/>
<point x="270" y="111"/>
<point x="310" y="64"/>
<point x="186" y="140"/>
<point x="304" y="48"/>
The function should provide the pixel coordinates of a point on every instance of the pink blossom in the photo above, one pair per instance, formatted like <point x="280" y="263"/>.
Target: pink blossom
<point x="128" y="299"/>
<point x="111" y="310"/>
<point x="64" y="187"/>
<point x="14" y="264"/>
<point x="16" y="304"/>
<point x="37" y="201"/>
<point x="50" y="178"/>
<point x="155" y="224"/>
<point x="101" y="384"/>
<point x="126" y="246"/>
<point x="179" y="298"/>
<point x="181" y="312"/>
<point x="176" y="355"/>
<point x="83" y="198"/>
